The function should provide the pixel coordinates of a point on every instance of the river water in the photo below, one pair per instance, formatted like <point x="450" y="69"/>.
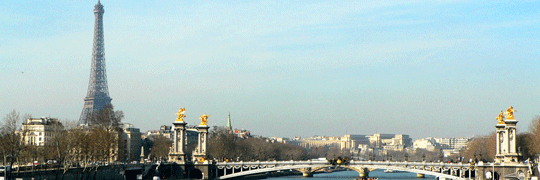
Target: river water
<point x="354" y="175"/>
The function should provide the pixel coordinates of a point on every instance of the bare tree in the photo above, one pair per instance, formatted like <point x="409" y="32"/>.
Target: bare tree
<point x="104" y="144"/>
<point x="223" y="145"/>
<point x="106" y="133"/>
<point x="107" y="117"/>
<point x="482" y="148"/>
<point x="82" y="151"/>
<point x="62" y="145"/>
<point x="12" y="141"/>
<point x="533" y="146"/>
<point x="524" y="143"/>
<point x="160" y="148"/>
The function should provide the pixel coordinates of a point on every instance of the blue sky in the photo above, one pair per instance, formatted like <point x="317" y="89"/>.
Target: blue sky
<point x="281" y="68"/>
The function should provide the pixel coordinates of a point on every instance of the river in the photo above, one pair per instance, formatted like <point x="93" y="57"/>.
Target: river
<point x="354" y="175"/>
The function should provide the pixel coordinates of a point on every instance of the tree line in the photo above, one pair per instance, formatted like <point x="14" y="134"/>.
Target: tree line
<point x="225" y="146"/>
<point x="68" y="144"/>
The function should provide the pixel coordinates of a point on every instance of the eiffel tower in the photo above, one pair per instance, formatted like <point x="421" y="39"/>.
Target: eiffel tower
<point x="97" y="96"/>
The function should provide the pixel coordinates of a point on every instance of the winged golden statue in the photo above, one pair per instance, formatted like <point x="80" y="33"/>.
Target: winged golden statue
<point x="204" y="119"/>
<point x="500" y="118"/>
<point x="510" y="113"/>
<point x="180" y="114"/>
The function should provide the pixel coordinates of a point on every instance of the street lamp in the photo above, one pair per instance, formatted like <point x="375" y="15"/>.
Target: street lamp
<point x="406" y="157"/>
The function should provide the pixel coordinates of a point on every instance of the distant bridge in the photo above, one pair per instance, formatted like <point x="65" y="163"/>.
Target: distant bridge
<point x="226" y="170"/>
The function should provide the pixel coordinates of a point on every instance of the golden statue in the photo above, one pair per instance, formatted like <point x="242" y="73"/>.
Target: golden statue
<point x="204" y="119"/>
<point x="181" y="115"/>
<point x="510" y="113"/>
<point x="500" y="118"/>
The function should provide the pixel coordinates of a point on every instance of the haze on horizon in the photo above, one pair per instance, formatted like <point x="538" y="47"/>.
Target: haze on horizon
<point x="281" y="68"/>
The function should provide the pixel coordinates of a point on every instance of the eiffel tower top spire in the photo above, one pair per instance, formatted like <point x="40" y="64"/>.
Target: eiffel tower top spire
<point x="97" y="96"/>
<point x="98" y="8"/>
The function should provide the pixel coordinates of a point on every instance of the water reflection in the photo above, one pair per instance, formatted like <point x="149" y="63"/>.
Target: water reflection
<point x="354" y="175"/>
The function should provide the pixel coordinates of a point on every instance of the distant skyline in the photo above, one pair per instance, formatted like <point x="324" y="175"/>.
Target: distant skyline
<point x="281" y="68"/>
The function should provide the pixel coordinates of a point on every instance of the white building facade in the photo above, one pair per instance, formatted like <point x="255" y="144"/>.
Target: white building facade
<point x="40" y="131"/>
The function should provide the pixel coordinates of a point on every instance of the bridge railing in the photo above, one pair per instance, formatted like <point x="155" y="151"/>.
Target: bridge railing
<point x="352" y="162"/>
<point x="272" y="163"/>
<point x="406" y="163"/>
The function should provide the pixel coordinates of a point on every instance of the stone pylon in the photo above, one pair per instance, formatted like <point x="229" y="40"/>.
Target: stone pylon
<point x="179" y="143"/>
<point x="201" y="152"/>
<point x="506" y="151"/>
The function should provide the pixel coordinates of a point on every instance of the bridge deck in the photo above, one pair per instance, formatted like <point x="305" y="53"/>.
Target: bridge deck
<point x="428" y="168"/>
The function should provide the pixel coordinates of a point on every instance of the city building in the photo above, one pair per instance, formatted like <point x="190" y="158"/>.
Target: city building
<point x="164" y="130"/>
<point x="132" y="142"/>
<point x="241" y="133"/>
<point x="279" y="140"/>
<point x="453" y="143"/>
<point x="318" y="141"/>
<point x="391" y="142"/>
<point x="378" y="140"/>
<point x="353" y="141"/>
<point x="349" y="141"/>
<point x="426" y="143"/>
<point x="449" y="146"/>
<point x="452" y="146"/>
<point x="39" y="131"/>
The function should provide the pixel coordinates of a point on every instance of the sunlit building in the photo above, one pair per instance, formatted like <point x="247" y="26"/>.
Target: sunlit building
<point x="426" y="143"/>
<point x="453" y="143"/>
<point x="391" y="142"/>
<point x="39" y="131"/>
<point x="349" y="141"/>
<point x="448" y="146"/>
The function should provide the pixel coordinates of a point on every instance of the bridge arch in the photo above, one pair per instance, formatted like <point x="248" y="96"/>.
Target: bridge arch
<point x="434" y="169"/>
<point x="195" y="174"/>
<point x="271" y="169"/>
<point x="411" y="170"/>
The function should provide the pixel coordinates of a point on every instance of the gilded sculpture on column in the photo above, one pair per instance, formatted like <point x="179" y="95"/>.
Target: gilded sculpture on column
<point x="181" y="115"/>
<point x="500" y="118"/>
<point x="510" y="113"/>
<point x="204" y="119"/>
